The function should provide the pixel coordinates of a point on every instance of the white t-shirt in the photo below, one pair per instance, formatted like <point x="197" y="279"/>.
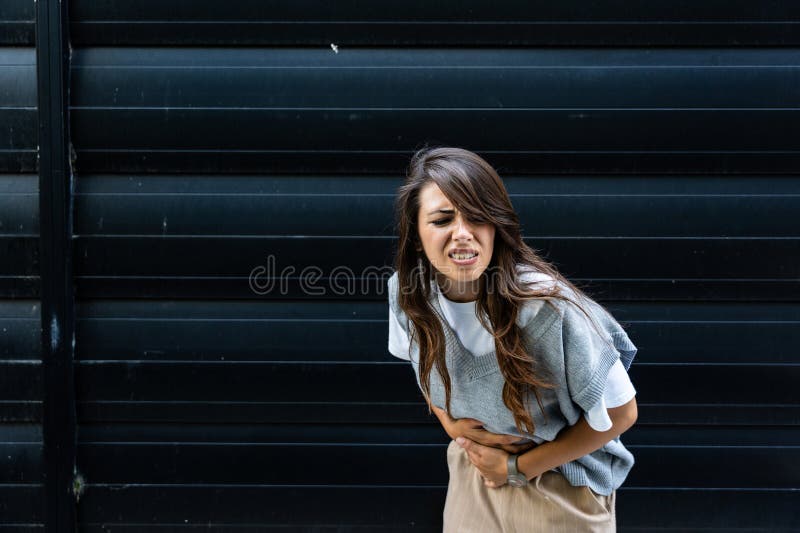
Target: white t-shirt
<point x="462" y="318"/>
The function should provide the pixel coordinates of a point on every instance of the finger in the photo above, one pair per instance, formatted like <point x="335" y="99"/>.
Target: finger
<point x="472" y="458"/>
<point x="517" y="448"/>
<point x="503" y="441"/>
<point x="509" y="439"/>
<point x="475" y="460"/>
<point x="472" y="447"/>
<point x="498" y="441"/>
<point x="468" y="445"/>
<point x="474" y="423"/>
<point x="489" y="439"/>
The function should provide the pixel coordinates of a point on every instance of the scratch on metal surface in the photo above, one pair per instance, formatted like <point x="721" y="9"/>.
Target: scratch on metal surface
<point x="54" y="333"/>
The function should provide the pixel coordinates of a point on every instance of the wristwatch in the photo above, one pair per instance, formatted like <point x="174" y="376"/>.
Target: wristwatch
<point x="515" y="478"/>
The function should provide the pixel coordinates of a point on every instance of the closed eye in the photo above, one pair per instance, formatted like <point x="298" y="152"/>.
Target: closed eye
<point x="441" y="222"/>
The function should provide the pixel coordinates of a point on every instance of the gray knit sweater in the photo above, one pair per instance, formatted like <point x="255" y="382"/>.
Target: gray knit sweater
<point x="569" y="352"/>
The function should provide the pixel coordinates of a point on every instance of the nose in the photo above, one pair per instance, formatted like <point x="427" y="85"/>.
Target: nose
<point x="463" y="229"/>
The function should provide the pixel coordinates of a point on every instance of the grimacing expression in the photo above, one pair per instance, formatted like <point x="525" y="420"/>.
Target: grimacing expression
<point x="458" y="249"/>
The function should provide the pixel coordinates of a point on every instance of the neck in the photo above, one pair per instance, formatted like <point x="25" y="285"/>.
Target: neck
<point x="458" y="291"/>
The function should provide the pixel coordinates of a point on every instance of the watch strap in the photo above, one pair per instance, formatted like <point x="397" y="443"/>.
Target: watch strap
<point x="515" y="478"/>
<point x="512" y="465"/>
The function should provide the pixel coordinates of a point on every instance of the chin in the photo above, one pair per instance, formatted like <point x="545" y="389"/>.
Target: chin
<point x="473" y="275"/>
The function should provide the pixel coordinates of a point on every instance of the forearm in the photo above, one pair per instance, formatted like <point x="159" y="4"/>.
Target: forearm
<point x="574" y="442"/>
<point x="444" y="419"/>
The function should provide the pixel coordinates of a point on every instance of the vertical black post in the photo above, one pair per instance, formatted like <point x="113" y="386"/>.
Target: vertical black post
<point x="55" y="260"/>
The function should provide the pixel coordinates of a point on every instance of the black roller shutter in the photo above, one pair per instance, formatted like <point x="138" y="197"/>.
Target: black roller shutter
<point x="652" y="150"/>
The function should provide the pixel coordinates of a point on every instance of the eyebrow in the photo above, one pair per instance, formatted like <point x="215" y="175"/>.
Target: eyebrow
<point x="443" y="211"/>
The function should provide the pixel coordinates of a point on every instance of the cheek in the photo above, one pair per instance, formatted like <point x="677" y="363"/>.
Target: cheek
<point x="434" y="240"/>
<point x="489" y="238"/>
<point x="431" y="242"/>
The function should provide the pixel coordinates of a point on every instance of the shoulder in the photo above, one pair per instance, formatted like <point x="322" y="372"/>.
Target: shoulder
<point x="541" y="316"/>
<point x="534" y="278"/>
<point x="393" y="292"/>
<point x="537" y="314"/>
<point x="393" y="287"/>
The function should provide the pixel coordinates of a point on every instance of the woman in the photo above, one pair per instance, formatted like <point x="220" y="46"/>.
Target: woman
<point x="527" y="374"/>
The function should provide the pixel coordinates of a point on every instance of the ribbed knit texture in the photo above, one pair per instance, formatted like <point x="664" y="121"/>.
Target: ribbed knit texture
<point x="569" y="353"/>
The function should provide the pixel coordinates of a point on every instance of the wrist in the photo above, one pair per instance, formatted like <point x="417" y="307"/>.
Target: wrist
<point x="527" y="463"/>
<point x="514" y="476"/>
<point x="446" y="421"/>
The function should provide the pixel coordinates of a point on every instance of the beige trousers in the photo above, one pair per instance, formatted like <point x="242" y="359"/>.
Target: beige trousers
<point x="547" y="504"/>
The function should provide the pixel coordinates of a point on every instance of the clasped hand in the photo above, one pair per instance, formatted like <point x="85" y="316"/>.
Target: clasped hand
<point x="487" y="451"/>
<point x="490" y="462"/>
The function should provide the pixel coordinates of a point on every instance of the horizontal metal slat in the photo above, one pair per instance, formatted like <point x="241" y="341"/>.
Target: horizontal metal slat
<point x="179" y="96"/>
<point x="154" y="382"/>
<point x="20" y="463"/>
<point x="142" y="508"/>
<point x="418" y="23"/>
<point x="413" y="412"/>
<point x="18" y="22"/>
<point x="226" y="287"/>
<point x="21" y="509"/>
<point x="620" y="258"/>
<point x="202" y="132"/>
<point x="22" y="381"/>
<point x="20" y="255"/>
<point x="349" y="162"/>
<point x="339" y="331"/>
<point x="368" y="214"/>
<point x="627" y="135"/>
<point x="382" y="432"/>
<point x="356" y="464"/>
<point x="19" y="286"/>
<point x="17" y="75"/>
<point x="469" y="80"/>
<point x="379" y="185"/>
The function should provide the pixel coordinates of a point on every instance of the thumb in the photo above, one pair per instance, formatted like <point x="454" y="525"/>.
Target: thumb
<point x="464" y="443"/>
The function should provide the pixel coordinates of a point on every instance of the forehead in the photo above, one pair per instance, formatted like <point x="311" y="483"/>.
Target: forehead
<point x="431" y="198"/>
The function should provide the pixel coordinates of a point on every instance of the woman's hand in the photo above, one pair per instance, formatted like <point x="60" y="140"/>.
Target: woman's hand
<point x="490" y="462"/>
<point x="473" y="430"/>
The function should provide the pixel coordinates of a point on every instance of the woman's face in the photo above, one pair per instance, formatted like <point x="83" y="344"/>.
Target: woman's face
<point x="459" y="250"/>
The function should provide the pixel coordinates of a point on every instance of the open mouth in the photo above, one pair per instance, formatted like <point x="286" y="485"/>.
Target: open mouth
<point x="463" y="256"/>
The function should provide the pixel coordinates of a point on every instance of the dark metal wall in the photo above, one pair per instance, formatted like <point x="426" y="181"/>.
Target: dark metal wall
<point x="21" y="384"/>
<point x="652" y="150"/>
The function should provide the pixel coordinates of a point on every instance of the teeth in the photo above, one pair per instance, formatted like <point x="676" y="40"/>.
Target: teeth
<point x="463" y="257"/>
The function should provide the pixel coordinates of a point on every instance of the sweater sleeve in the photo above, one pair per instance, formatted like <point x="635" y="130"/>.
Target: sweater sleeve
<point x="398" y="339"/>
<point x="590" y="353"/>
<point x="619" y="391"/>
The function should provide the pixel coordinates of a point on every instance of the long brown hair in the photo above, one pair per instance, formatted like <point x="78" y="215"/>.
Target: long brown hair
<point x="476" y="190"/>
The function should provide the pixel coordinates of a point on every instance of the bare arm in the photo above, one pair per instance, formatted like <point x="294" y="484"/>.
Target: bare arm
<point x="573" y="442"/>
<point x="473" y="429"/>
<point x="576" y="441"/>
